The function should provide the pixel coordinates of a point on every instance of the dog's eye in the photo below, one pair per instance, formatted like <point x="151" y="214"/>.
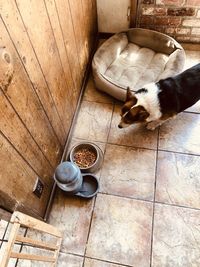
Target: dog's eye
<point x="124" y="110"/>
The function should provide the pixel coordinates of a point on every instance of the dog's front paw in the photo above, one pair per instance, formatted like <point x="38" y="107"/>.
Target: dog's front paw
<point x="152" y="125"/>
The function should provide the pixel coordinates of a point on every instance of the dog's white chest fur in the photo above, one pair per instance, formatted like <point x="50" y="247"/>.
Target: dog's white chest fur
<point x="150" y="101"/>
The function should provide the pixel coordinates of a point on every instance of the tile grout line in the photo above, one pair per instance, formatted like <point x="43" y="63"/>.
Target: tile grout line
<point x="93" y="258"/>
<point x="113" y="106"/>
<point x="4" y="234"/>
<point x="21" y="246"/>
<point x="89" y="230"/>
<point x="112" y="262"/>
<point x="150" y="201"/>
<point x="154" y="199"/>
<point x="144" y="148"/>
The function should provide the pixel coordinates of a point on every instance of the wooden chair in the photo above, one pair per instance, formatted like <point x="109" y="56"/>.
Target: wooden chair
<point x="19" y="219"/>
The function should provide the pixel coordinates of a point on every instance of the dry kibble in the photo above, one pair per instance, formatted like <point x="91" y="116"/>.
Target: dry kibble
<point x="84" y="157"/>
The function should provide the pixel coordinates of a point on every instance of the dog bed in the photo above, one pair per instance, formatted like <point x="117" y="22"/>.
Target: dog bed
<point x="134" y="58"/>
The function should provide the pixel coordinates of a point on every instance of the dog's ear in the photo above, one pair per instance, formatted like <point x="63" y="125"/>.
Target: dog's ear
<point x="129" y="94"/>
<point x="143" y="114"/>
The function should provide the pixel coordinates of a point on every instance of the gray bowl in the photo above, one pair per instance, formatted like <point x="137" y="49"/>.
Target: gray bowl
<point x="93" y="147"/>
<point x="90" y="186"/>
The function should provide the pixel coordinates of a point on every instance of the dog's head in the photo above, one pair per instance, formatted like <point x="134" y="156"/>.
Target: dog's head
<point x="131" y="112"/>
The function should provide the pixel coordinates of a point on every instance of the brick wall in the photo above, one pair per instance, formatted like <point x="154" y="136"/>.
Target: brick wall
<point x="177" y="18"/>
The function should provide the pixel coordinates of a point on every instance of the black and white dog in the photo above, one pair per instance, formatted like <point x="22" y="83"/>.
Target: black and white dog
<point x="157" y="102"/>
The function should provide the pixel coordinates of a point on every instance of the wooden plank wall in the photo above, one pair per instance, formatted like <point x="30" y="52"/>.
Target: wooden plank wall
<point x="47" y="44"/>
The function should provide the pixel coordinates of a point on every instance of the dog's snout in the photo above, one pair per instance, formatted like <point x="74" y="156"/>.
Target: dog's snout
<point x="119" y="126"/>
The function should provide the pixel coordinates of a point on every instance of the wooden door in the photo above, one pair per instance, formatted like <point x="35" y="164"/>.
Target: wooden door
<point x="44" y="50"/>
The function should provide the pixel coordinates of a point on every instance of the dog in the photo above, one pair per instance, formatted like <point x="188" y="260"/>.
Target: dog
<point x="157" y="102"/>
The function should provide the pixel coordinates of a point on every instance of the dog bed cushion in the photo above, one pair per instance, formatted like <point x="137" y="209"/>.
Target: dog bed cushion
<point x="134" y="58"/>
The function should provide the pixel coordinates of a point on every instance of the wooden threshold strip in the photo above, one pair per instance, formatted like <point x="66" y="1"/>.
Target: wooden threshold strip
<point x="31" y="257"/>
<point x="36" y="243"/>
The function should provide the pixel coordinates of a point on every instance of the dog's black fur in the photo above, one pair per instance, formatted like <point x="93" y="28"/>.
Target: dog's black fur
<point x="181" y="91"/>
<point x="174" y="95"/>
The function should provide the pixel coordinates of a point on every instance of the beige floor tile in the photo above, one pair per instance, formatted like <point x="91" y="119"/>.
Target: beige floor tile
<point x="35" y="251"/>
<point x="66" y="260"/>
<point x="93" y="94"/>
<point x="123" y="175"/>
<point x="3" y="226"/>
<point x="41" y="236"/>
<point x="134" y="135"/>
<point x="194" y="108"/>
<point x="12" y="261"/>
<point x="176" y="241"/>
<point x="192" y="58"/>
<point x="178" y="179"/>
<point x="97" y="263"/>
<point x="8" y="230"/>
<point x="72" y="216"/>
<point x="93" y="121"/>
<point x="121" y="231"/>
<point x="181" y="134"/>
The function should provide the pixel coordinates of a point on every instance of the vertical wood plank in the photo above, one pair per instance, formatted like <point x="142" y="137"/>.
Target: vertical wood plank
<point x="35" y="18"/>
<point x="17" y="180"/>
<point x="25" y="102"/>
<point x="50" y="42"/>
<point x="70" y="42"/>
<point x="79" y="30"/>
<point x="90" y="16"/>
<point x="17" y="31"/>
<point x="12" y="127"/>
<point x="53" y="17"/>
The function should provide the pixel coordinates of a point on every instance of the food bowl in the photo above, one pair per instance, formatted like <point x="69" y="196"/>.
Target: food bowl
<point x="90" y="186"/>
<point x="87" y="156"/>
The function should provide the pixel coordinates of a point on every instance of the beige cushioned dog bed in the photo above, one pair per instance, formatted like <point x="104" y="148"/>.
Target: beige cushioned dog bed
<point x="134" y="58"/>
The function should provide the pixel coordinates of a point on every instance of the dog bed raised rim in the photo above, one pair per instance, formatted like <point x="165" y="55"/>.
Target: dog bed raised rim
<point x="134" y="58"/>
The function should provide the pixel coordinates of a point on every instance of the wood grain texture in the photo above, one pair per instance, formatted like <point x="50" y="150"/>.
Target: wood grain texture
<point x="70" y="42"/>
<point x="63" y="53"/>
<point x="25" y="102"/>
<point x="38" y="27"/>
<point x="49" y="43"/>
<point x="17" y="181"/>
<point x="15" y="26"/>
<point x="15" y="131"/>
<point x="78" y="21"/>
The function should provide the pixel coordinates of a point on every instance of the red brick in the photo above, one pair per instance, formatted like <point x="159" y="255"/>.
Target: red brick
<point x="182" y="11"/>
<point x="146" y="20"/>
<point x="183" y="38"/>
<point x="195" y="40"/>
<point x="161" y="20"/>
<point x="175" y="21"/>
<point x="195" y="31"/>
<point x="170" y="30"/>
<point x="147" y="11"/>
<point x="191" y="22"/>
<point x="148" y="2"/>
<point x="183" y="31"/>
<point x="160" y="11"/>
<point x="167" y="21"/>
<point x="170" y="2"/>
<point x="193" y="3"/>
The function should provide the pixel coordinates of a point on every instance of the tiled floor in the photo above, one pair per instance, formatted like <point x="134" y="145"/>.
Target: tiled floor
<point x="147" y="213"/>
